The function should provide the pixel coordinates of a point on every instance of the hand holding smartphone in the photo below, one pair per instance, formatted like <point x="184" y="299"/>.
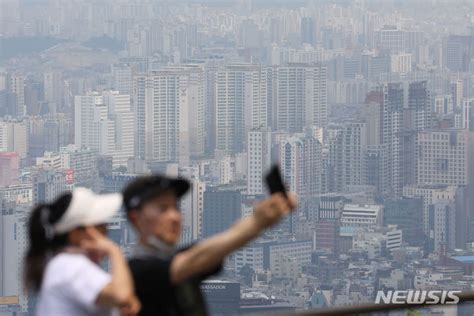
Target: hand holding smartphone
<point x="275" y="182"/>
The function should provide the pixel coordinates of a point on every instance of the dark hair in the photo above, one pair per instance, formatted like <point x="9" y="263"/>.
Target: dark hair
<point x="42" y="242"/>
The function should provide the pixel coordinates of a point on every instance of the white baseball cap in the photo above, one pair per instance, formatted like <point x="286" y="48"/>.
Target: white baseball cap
<point x="88" y="209"/>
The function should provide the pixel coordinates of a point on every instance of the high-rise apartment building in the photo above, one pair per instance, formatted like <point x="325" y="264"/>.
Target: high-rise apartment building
<point x="14" y="137"/>
<point x="307" y="30"/>
<point x="170" y="119"/>
<point x="457" y="92"/>
<point x="406" y="110"/>
<point x="258" y="159"/>
<point x="241" y="103"/>
<point x="105" y="122"/>
<point x="192" y="205"/>
<point x="347" y="155"/>
<point x="53" y="89"/>
<point x="301" y="96"/>
<point x="17" y="86"/>
<point x="300" y="161"/>
<point x="393" y="104"/>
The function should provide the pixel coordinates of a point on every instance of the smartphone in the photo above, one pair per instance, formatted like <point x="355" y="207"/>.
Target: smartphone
<point x="274" y="181"/>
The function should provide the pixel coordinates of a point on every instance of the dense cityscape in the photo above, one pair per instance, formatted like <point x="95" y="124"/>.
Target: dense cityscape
<point x="366" y="105"/>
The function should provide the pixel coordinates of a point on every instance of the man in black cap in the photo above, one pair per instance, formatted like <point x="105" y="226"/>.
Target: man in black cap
<point x="167" y="280"/>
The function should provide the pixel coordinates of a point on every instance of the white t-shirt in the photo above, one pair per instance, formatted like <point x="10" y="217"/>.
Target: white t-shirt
<point x="71" y="285"/>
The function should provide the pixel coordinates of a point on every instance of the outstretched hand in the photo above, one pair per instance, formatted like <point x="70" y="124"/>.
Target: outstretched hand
<point x="269" y="211"/>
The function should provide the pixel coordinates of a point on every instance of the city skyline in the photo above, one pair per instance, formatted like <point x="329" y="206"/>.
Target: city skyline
<point x="366" y="106"/>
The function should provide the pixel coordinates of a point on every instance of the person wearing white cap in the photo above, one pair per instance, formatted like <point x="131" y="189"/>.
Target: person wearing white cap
<point x="67" y="242"/>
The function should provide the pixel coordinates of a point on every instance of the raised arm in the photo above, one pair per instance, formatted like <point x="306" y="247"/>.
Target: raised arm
<point x="207" y="254"/>
<point x="119" y="292"/>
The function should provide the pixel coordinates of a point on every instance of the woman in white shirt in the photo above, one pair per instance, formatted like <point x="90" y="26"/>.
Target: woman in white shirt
<point x="67" y="242"/>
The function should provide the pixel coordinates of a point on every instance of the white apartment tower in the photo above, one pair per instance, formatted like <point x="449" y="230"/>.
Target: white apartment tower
<point x="347" y="155"/>
<point x="17" y="86"/>
<point x="301" y="96"/>
<point x="170" y="114"/>
<point x="105" y="122"/>
<point x="241" y="101"/>
<point x="258" y="159"/>
<point x="300" y="158"/>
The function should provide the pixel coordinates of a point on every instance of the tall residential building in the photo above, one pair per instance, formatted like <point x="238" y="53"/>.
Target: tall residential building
<point x="347" y="154"/>
<point x="416" y="117"/>
<point x="241" y="103"/>
<point x="105" y="122"/>
<point x="307" y="30"/>
<point x="354" y="150"/>
<point x="467" y="114"/>
<point x="335" y="160"/>
<point x="406" y="110"/>
<point x="210" y="70"/>
<point x="192" y="205"/>
<point x="17" y="86"/>
<point x="14" y="137"/>
<point x="258" y="159"/>
<point x="33" y="94"/>
<point x="419" y="104"/>
<point x="91" y="125"/>
<point x="300" y="161"/>
<point x="119" y="111"/>
<point x="301" y="96"/>
<point x="457" y="92"/>
<point x="376" y="154"/>
<point x="53" y="88"/>
<point x="170" y="120"/>
<point x="376" y="163"/>
<point x="393" y="103"/>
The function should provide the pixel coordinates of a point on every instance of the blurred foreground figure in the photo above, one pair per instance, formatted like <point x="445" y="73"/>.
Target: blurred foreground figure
<point x="167" y="279"/>
<point x="67" y="242"/>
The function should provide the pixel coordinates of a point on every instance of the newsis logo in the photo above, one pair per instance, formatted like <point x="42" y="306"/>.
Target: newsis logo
<point x="417" y="297"/>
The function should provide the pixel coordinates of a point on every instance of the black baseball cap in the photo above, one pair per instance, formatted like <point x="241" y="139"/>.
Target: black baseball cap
<point x="142" y="189"/>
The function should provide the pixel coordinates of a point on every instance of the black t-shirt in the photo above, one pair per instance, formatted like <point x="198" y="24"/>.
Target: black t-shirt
<point x="158" y="296"/>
